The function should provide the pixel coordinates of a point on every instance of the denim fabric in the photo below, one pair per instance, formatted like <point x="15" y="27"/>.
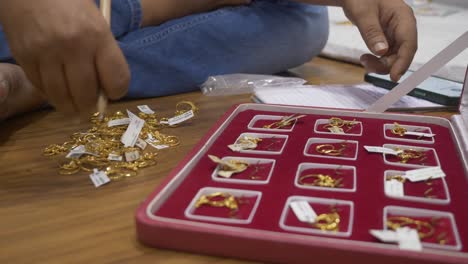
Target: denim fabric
<point x="265" y="37"/>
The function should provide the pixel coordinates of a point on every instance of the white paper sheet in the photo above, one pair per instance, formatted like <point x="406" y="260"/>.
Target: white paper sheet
<point x="358" y="96"/>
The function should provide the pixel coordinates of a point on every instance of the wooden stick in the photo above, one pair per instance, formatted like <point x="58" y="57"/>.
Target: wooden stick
<point x="105" y="6"/>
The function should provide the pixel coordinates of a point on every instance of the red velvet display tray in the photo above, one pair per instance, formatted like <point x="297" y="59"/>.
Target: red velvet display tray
<point x="265" y="229"/>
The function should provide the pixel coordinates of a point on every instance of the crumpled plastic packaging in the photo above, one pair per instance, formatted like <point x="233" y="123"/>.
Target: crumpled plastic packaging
<point x="239" y="83"/>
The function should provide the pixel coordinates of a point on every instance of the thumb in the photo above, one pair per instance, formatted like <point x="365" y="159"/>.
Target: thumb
<point x="372" y="33"/>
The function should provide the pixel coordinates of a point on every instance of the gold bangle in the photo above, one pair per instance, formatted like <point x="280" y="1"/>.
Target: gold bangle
<point x="330" y="150"/>
<point x="185" y="106"/>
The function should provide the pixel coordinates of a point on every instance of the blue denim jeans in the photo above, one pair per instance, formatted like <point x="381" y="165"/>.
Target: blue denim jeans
<point x="265" y="37"/>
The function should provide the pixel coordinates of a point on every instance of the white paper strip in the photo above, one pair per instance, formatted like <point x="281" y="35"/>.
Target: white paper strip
<point x="420" y="75"/>
<point x="424" y="174"/>
<point x="382" y="150"/>
<point x="387" y="236"/>
<point x="145" y="109"/>
<point x="180" y="118"/>
<point x="303" y="211"/>
<point x="419" y="134"/>
<point x="118" y="122"/>
<point x="408" y="239"/>
<point x="394" y="188"/>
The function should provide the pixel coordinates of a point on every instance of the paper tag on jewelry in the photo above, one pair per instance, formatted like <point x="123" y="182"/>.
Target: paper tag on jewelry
<point x="152" y="142"/>
<point x="303" y="211"/>
<point x="159" y="146"/>
<point x="336" y="130"/>
<point x="78" y="152"/>
<point x="408" y="238"/>
<point x="132" y="155"/>
<point x="114" y="157"/>
<point x="424" y="174"/>
<point x="141" y="144"/>
<point x="118" y="122"/>
<point x="145" y="109"/>
<point x="394" y="188"/>
<point x="130" y="137"/>
<point x="387" y="236"/>
<point x="180" y="118"/>
<point x="99" y="178"/>
<point x="418" y="134"/>
<point x="382" y="150"/>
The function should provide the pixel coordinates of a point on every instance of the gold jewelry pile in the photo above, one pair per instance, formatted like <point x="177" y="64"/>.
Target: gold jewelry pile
<point x="101" y="148"/>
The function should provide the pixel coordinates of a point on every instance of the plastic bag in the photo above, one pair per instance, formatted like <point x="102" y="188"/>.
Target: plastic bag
<point x="240" y="83"/>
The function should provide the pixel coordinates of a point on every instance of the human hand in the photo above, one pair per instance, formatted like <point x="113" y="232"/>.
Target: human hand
<point x="389" y="30"/>
<point x="67" y="50"/>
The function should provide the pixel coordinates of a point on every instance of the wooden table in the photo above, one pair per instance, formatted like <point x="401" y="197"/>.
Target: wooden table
<point x="46" y="217"/>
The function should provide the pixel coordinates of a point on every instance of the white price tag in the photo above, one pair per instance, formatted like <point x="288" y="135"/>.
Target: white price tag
<point x="303" y="211"/>
<point x="159" y="146"/>
<point x="382" y="150"/>
<point x="114" y="157"/>
<point x="99" y="178"/>
<point x="132" y="155"/>
<point x="141" y="144"/>
<point x="394" y="188"/>
<point x="418" y="134"/>
<point x="153" y="142"/>
<point x="145" y="109"/>
<point x="181" y="118"/>
<point x="424" y="174"/>
<point x="118" y="122"/>
<point x="78" y="152"/>
<point x="336" y="130"/>
<point x="408" y="238"/>
<point x="130" y="137"/>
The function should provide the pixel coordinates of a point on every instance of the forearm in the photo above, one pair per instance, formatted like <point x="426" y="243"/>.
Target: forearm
<point x="322" y="2"/>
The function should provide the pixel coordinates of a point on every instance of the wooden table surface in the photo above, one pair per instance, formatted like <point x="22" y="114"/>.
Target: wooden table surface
<point x="46" y="217"/>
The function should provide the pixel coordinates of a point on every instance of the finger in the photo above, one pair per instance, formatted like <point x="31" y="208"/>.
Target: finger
<point x="32" y="72"/>
<point x="404" y="58"/>
<point x="113" y="71"/>
<point x="405" y="37"/>
<point x="374" y="64"/>
<point x="82" y="83"/>
<point x="55" y="87"/>
<point x="372" y="33"/>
